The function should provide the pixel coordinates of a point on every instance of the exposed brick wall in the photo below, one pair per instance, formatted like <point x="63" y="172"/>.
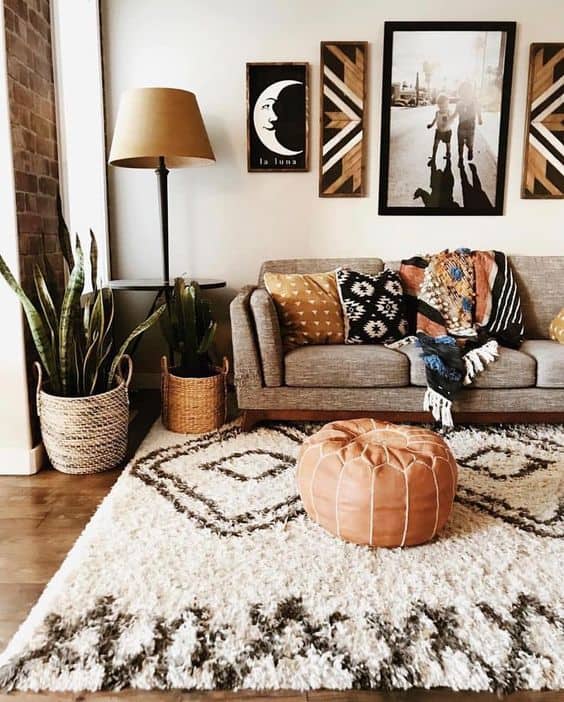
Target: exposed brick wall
<point x="34" y="135"/>
<point x="34" y="145"/>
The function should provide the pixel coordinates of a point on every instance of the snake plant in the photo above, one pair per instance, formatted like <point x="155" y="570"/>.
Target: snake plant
<point x="189" y="329"/>
<point x="74" y="336"/>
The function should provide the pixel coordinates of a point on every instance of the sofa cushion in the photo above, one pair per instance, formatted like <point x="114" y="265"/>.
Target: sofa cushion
<point x="540" y="280"/>
<point x="373" y="306"/>
<point x="346" y="366"/>
<point x="513" y="369"/>
<point x="308" y="306"/>
<point x="549" y="356"/>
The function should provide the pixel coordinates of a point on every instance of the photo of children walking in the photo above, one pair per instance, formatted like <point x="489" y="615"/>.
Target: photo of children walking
<point x="445" y="113"/>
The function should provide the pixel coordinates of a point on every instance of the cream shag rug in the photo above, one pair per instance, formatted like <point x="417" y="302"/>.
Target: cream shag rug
<point x="201" y="571"/>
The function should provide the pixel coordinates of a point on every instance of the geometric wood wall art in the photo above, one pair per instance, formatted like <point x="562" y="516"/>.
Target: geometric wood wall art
<point x="543" y="163"/>
<point x="342" y="158"/>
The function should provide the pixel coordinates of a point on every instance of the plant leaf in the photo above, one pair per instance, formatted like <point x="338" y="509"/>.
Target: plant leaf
<point x="86" y="372"/>
<point x="69" y="310"/>
<point x="109" y="314"/>
<point x="180" y="319"/>
<point x="64" y="236"/>
<point x="100" y="371"/>
<point x="94" y="320"/>
<point x="207" y="339"/>
<point x="93" y="262"/>
<point x="76" y="368"/>
<point x="50" y="318"/>
<point x="37" y="327"/>
<point x="140" y="329"/>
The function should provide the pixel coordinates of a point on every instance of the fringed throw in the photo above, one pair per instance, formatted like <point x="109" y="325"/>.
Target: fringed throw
<point x="460" y="305"/>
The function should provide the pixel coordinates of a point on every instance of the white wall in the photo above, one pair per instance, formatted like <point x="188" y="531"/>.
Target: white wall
<point x="225" y="221"/>
<point x="15" y="433"/>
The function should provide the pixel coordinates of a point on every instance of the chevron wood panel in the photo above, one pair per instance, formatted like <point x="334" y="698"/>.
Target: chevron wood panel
<point x="543" y="166"/>
<point x="342" y="157"/>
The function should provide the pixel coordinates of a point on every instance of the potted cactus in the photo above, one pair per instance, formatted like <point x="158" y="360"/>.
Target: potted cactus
<point x="83" y="407"/>
<point x="193" y="389"/>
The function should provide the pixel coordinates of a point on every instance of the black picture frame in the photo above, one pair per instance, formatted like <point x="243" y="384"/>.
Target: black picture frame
<point x="472" y="205"/>
<point x="289" y="120"/>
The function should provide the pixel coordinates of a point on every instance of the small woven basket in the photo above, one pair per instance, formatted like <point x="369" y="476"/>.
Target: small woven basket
<point x="193" y="405"/>
<point x="85" y="434"/>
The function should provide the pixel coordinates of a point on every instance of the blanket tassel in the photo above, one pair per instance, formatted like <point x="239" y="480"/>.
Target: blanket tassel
<point x="477" y="359"/>
<point x="439" y="406"/>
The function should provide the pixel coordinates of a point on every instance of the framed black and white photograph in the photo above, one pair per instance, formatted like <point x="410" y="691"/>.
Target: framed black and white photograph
<point x="277" y="117"/>
<point x="445" y="116"/>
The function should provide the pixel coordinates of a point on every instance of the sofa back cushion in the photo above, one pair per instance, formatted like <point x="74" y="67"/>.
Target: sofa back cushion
<point x="540" y="280"/>
<point x="319" y="265"/>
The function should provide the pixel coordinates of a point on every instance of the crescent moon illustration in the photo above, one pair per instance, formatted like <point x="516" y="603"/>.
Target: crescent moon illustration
<point x="264" y="117"/>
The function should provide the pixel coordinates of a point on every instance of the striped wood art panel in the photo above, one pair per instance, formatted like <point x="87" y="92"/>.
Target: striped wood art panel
<point x="342" y="115"/>
<point x="543" y="168"/>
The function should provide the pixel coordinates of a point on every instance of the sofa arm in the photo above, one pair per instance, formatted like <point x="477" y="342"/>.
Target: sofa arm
<point x="269" y="338"/>
<point x="246" y="361"/>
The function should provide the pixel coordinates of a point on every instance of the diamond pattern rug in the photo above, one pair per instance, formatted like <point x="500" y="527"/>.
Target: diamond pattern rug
<point x="200" y="570"/>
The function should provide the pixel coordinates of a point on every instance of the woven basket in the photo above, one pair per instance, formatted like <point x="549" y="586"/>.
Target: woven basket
<point x="85" y="434"/>
<point x="193" y="405"/>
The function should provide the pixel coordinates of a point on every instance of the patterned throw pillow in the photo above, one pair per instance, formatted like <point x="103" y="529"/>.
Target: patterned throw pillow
<point x="556" y="330"/>
<point x="373" y="306"/>
<point x="308" y="308"/>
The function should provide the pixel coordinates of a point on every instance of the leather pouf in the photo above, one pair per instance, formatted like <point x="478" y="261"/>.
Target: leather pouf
<point x="377" y="483"/>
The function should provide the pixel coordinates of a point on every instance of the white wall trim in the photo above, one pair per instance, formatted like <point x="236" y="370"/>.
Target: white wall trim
<point x="22" y="461"/>
<point x="15" y="427"/>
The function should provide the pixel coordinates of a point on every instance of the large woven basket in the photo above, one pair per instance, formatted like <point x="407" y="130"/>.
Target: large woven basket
<point x="193" y="405"/>
<point x="86" y="434"/>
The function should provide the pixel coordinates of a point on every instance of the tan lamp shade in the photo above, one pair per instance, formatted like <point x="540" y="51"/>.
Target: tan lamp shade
<point x="154" y="122"/>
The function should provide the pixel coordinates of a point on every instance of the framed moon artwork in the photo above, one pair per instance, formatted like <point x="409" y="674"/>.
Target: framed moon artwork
<point x="277" y="117"/>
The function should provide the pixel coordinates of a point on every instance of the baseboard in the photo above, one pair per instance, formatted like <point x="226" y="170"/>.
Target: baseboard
<point x="21" y="461"/>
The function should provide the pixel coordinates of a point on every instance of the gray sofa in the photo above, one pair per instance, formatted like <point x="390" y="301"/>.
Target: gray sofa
<point x="340" y="381"/>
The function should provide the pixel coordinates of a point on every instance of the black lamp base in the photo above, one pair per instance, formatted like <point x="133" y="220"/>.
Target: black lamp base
<point x="162" y="174"/>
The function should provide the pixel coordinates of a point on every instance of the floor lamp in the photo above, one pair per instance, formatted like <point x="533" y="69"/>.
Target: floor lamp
<point x="160" y="128"/>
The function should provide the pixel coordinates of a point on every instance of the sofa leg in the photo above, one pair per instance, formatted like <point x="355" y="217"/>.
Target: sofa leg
<point x="250" y="418"/>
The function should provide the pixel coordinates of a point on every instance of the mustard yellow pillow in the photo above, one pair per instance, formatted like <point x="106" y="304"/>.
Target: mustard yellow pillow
<point x="308" y="308"/>
<point x="556" y="329"/>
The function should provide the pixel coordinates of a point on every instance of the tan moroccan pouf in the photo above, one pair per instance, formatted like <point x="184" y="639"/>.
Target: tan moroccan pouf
<point x="377" y="483"/>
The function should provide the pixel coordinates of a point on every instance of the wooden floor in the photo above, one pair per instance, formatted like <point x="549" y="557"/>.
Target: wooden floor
<point x="40" y="518"/>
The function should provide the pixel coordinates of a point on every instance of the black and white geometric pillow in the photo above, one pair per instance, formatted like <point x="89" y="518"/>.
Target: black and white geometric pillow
<point x="373" y="306"/>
